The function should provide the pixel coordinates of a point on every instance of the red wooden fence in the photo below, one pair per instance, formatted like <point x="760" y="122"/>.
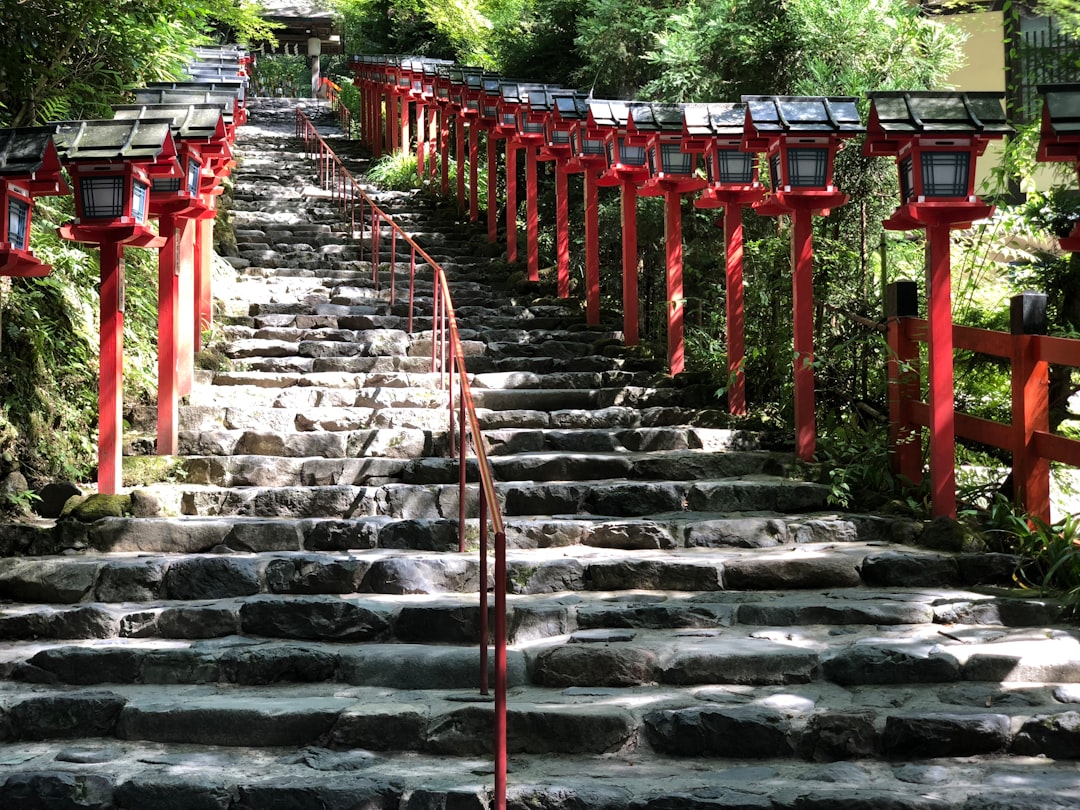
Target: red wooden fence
<point x="1027" y="437"/>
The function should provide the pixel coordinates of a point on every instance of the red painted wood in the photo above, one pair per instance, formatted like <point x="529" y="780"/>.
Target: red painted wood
<point x="1063" y="351"/>
<point x="1057" y="448"/>
<point x="984" y="341"/>
<point x="433" y="140"/>
<point x="511" y="201"/>
<point x="111" y="370"/>
<point x="673" y="250"/>
<point x="532" y="215"/>
<point x="940" y="357"/>
<point x="500" y="671"/>
<point x="421" y="140"/>
<point x="1030" y="414"/>
<point x="802" y="255"/>
<point x="168" y="398"/>
<point x="192" y="314"/>
<point x="392" y="116"/>
<point x="474" y="171"/>
<point x="492" y="192"/>
<point x="406" y="135"/>
<point x="444" y="151"/>
<point x="978" y="429"/>
<point x="736" y="343"/>
<point x="592" y="248"/>
<point x="629" y="263"/>
<point x="562" y="228"/>
<point x="459" y="150"/>
<point x="202" y="314"/>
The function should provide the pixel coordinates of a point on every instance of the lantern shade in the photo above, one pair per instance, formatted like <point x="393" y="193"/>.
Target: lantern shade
<point x="1059" y="137"/>
<point x="103" y="197"/>
<point x="18" y="223"/>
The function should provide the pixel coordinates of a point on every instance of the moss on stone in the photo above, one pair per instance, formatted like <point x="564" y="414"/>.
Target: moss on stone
<point x="98" y="506"/>
<point x="144" y="470"/>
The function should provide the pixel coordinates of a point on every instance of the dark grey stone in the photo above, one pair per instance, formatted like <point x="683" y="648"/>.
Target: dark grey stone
<point x="198" y="621"/>
<point x="901" y="569"/>
<point x="321" y="759"/>
<point x="314" y="574"/>
<point x="657" y="575"/>
<point x="741" y="731"/>
<point x="212" y="578"/>
<point x="587" y="665"/>
<point x="85" y="714"/>
<point x="550" y="576"/>
<point x="841" y="735"/>
<point x="421" y="535"/>
<point x="317" y="794"/>
<point x="50" y="581"/>
<point x="419" y="575"/>
<point x="1056" y="736"/>
<point x="447" y="624"/>
<point x="866" y="664"/>
<point x="341" y="535"/>
<point x="380" y="728"/>
<point x="564" y="797"/>
<point x="182" y="665"/>
<point x="710" y="799"/>
<point x="89" y="621"/>
<point x="172" y="793"/>
<point x="313" y="618"/>
<point x="264" y="535"/>
<point x="277" y="664"/>
<point x="86" y="665"/>
<point x="778" y="573"/>
<point x="737" y="533"/>
<point x="137" y="581"/>
<point x="936" y="734"/>
<point x="661" y="616"/>
<point x="56" y="790"/>
<point x="529" y="623"/>
<point x="52" y="497"/>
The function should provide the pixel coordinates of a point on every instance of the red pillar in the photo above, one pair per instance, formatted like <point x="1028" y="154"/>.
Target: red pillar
<point x="733" y="239"/>
<point x="592" y="248"/>
<point x="492" y="188"/>
<point x="532" y="215"/>
<point x="562" y="228"/>
<point x="905" y="437"/>
<point x="111" y="371"/>
<point x="802" y="254"/>
<point x="474" y="171"/>
<point x="168" y="397"/>
<point x="940" y="356"/>
<point x="444" y="150"/>
<point x="393" y="132"/>
<point x="204" y="309"/>
<point x="421" y="140"/>
<point x="433" y="139"/>
<point x="1030" y="404"/>
<point x="511" y="201"/>
<point x="377" y="123"/>
<point x="673" y="250"/>
<point x="629" y="263"/>
<point x="406" y="136"/>
<point x="459" y="150"/>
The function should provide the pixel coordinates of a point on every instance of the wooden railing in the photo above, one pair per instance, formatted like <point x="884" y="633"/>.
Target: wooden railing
<point x="448" y="359"/>
<point x="333" y="96"/>
<point x="1027" y="437"/>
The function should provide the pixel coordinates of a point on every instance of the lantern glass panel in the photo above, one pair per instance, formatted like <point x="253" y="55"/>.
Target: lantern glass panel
<point x="193" y="170"/>
<point x="807" y="167"/>
<point x="609" y="150"/>
<point x="165" y="184"/>
<point x="774" y="171"/>
<point x="907" y="179"/>
<point x="593" y="146"/>
<point x="18" y="233"/>
<point x="945" y="174"/>
<point x="675" y="161"/>
<point x="631" y="155"/>
<point x="139" y="194"/>
<point x="734" y="167"/>
<point x="560" y="137"/>
<point x="102" y="197"/>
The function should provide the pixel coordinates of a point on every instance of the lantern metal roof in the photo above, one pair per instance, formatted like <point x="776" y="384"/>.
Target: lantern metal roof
<point x="138" y="140"/>
<point x="924" y="112"/>
<point x="27" y="150"/>
<point x="657" y="117"/>
<point x="223" y="99"/>
<point x="233" y="85"/>
<point x="721" y="119"/>
<point x="570" y="105"/>
<point x="1061" y="110"/>
<point x="769" y="116"/>
<point x="1059" y="134"/>
<point x="189" y="121"/>
<point x="611" y="113"/>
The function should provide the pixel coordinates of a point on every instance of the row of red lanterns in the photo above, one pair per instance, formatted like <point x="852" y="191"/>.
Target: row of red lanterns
<point x="163" y="157"/>
<point x="661" y="149"/>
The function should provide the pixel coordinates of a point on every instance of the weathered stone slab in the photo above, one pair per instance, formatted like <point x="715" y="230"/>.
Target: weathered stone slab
<point x="288" y="663"/>
<point x="88" y="621"/>
<point x="741" y="732"/>
<point x="880" y="664"/>
<point x="773" y="572"/>
<point x="198" y="621"/>
<point x="231" y="720"/>
<point x="738" y="661"/>
<point x="931" y="734"/>
<point x="551" y="576"/>
<point x="57" y="581"/>
<point x="757" y="495"/>
<point x="424" y="666"/>
<point x="342" y="535"/>
<point x="839" y="736"/>
<point x="587" y="665"/>
<point x="83" y="714"/>
<point x="344" y="793"/>
<point x="836" y="612"/>
<point x="631" y="535"/>
<point x="314" y="574"/>
<point x="311" y="618"/>
<point x="1056" y="736"/>
<point x="57" y="789"/>
<point x="380" y="727"/>
<point x="653" y="575"/>
<point x="544" y="533"/>
<point x="907" y="569"/>
<point x="656" y="616"/>
<point x="87" y="665"/>
<point x="737" y="533"/>
<point x="404" y="575"/>
<point x="213" y="577"/>
<point x="173" y="793"/>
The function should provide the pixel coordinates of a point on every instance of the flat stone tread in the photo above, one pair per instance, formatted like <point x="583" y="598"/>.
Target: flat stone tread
<point x="544" y="780"/>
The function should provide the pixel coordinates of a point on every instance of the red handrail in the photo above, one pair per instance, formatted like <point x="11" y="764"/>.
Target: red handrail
<point x="1027" y="436"/>
<point x="345" y="189"/>
<point x="333" y="95"/>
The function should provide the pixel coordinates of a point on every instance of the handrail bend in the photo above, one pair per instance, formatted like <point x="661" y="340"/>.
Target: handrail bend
<point x="448" y="357"/>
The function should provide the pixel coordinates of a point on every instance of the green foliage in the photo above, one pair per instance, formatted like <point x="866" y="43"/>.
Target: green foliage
<point x="1050" y="554"/>
<point x="73" y="58"/>
<point x="396" y="171"/>
<point x="282" y="75"/>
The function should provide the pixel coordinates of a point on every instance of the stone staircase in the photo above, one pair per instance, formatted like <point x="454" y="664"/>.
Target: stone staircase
<point x="288" y="624"/>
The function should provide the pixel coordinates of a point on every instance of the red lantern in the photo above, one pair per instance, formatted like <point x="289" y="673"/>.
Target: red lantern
<point x="29" y="167"/>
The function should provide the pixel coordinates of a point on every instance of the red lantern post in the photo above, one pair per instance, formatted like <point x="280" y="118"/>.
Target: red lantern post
<point x="801" y="136"/>
<point x="472" y="113"/>
<point x="563" y="127"/>
<point x="733" y="184"/>
<point x="490" y="116"/>
<point x="936" y="139"/>
<point x="112" y="164"/>
<point x="596" y="145"/>
<point x="1059" y="137"/>
<point x="673" y="160"/>
<point x="627" y="169"/>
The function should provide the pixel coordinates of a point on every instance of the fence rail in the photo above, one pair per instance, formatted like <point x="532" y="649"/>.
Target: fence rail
<point x="1029" y="351"/>
<point x="448" y="359"/>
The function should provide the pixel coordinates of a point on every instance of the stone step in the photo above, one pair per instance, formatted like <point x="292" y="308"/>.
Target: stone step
<point x="262" y="564"/>
<point x="135" y="775"/>
<point x="313" y="598"/>
<point x="791" y="723"/>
